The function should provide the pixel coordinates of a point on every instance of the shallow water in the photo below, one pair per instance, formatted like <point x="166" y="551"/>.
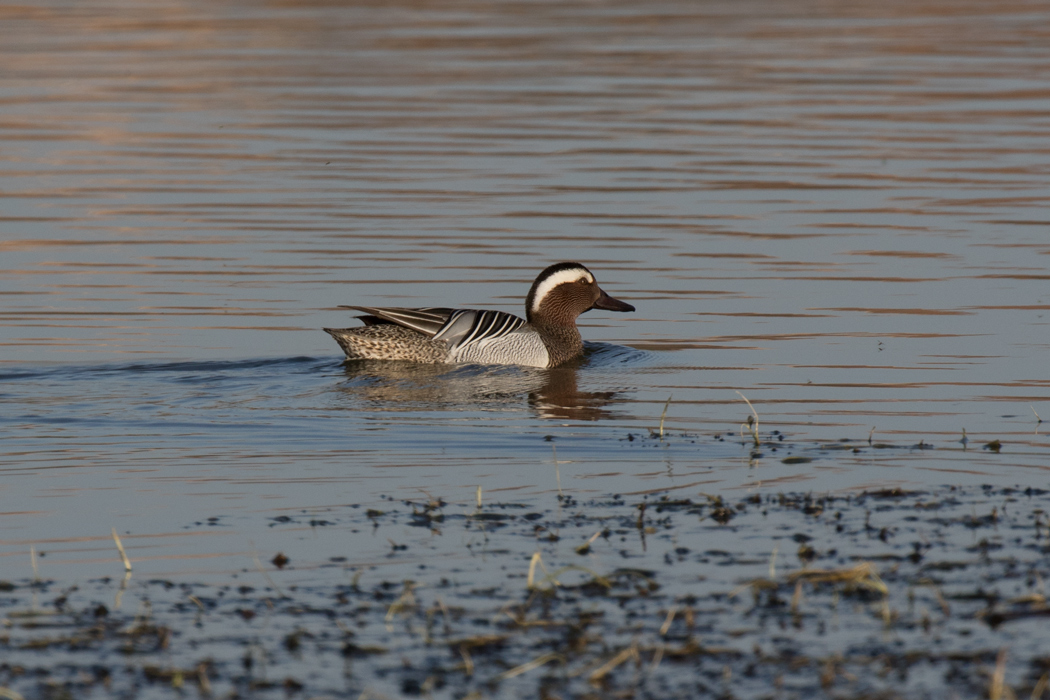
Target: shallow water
<point x="838" y="212"/>
<point x="645" y="598"/>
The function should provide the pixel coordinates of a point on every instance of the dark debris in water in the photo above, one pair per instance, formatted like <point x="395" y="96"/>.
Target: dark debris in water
<point x="886" y="593"/>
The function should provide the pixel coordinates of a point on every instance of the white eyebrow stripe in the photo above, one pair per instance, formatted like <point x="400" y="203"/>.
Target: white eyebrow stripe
<point x="560" y="277"/>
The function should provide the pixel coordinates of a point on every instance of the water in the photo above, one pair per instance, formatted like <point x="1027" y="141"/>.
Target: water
<point x="838" y="212"/>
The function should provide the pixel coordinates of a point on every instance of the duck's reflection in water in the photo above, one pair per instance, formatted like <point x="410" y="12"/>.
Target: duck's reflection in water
<point x="560" y="398"/>
<point x="406" y="386"/>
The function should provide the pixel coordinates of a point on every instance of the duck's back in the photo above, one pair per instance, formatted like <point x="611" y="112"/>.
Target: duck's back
<point x="443" y="335"/>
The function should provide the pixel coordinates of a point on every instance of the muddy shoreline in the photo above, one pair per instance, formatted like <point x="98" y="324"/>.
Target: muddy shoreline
<point x="887" y="593"/>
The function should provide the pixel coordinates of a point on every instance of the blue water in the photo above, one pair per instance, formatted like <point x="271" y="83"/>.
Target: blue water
<point x="150" y="448"/>
<point x="835" y="211"/>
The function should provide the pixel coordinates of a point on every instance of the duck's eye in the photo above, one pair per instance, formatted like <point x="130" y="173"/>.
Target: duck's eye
<point x="583" y="280"/>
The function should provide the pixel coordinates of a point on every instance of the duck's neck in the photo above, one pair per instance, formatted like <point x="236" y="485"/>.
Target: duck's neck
<point x="563" y="342"/>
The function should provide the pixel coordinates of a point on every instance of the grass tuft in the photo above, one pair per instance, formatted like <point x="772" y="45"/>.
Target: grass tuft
<point x="863" y="575"/>
<point x="120" y="548"/>
<point x="664" y="415"/>
<point x="557" y="469"/>
<point x="752" y="425"/>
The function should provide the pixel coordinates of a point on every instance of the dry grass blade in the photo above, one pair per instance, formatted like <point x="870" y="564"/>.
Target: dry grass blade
<point x="526" y="667"/>
<point x="1041" y="686"/>
<point x="670" y="618"/>
<point x="796" y="597"/>
<point x="407" y="599"/>
<point x="557" y="468"/>
<point x="586" y="546"/>
<point x="10" y="694"/>
<point x="478" y="496"/>
<point x="463" y="646"/>
<point x="887" y="614"/>
<point x="120" y="590"/>
<point x="605" y="669"/>
<point x="758" y="584"/>
<point x="658" y="656"/>
<point x="753" y="426"/>
<point x="468" y="662"/>
<point x="32" y="561"/>
<point x="120" y="548"/>
<point x="448" y="618"/>
<point x="536" y="561"/>
<point x="552" y="578"/>
<point x="863" y="575"/>
<point x="202" y="678"/>
<point x="1037" y="600"/>
<point x="998" y="689"/>
<point x="664" y="415"/>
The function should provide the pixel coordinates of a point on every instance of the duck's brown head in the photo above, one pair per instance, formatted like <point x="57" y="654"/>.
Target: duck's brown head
<point x="564" y="291"/>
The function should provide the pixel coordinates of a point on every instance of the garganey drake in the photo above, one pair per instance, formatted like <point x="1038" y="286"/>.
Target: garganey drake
<point x="546" y="337"/>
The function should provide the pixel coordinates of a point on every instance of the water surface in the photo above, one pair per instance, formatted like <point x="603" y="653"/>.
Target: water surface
<point x="838" y="212"/>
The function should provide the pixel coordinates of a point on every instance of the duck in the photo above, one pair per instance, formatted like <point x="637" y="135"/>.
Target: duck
<point x="546" y="337"/>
